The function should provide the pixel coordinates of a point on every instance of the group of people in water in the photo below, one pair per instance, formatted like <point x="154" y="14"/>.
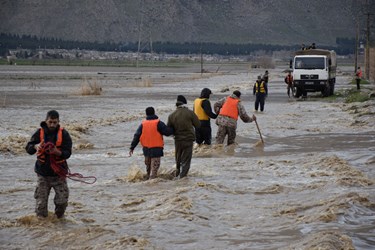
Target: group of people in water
<point x="53" y="145"/>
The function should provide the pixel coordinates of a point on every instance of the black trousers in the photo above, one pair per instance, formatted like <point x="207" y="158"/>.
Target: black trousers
<point x="203" y="135"/>
<point x="358" y="82"/>
<point x="260" y="99"/>
<point x="183" y="155"/>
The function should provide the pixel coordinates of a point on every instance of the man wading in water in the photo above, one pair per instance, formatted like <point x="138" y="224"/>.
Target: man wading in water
<point x="184" y="121"/>
<point x="60" y="149"/>
<point x="150" y="133"/>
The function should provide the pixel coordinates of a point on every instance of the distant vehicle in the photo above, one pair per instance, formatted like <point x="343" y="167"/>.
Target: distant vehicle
<point x="314" y="70"/>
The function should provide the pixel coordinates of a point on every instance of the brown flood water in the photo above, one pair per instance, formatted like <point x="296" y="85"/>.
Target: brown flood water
<point x="309" y="186"/>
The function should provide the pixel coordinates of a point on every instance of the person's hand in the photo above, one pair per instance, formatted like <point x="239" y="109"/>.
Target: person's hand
<point x="131" y="152"/>
<point x="254" y="118"/>
<point x="39" y="147"/>
<point x="55" y="151"/>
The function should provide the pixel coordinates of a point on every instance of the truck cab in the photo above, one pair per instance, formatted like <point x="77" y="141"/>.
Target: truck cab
<point x="314" y="70"/>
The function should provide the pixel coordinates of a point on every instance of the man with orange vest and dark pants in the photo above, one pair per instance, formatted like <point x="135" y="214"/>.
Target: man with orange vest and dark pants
<point x="358" y="75"/>
<point x="289" y="81"/>
<point x="150" y="134"/>
<point x="202" y="108"/>
<point x="61" y="148"/>
<point x="229" y="109"/>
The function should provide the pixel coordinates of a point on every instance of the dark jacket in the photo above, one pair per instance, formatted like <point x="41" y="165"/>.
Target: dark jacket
<point x="151" y="152"/>
<point x="45" y="169"/>
<point x="206" y="105"/>
<point x="183" y="121"/>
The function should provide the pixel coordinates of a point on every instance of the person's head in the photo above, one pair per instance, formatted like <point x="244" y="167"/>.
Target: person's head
<point x="181" y="100"/>
<point x="359" y="67"/>
<point x="206" y="92"/>
<point x="150" y="111"/>
<point x="266" y="72"/>
<point x="237" y="93"/>
<point x="259" y="77"/>
<point x="52" y="120"/>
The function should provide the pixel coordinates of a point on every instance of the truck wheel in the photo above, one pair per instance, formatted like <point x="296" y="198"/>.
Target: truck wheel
<point x="332" y="89"/>
<point x="298" y="92"/>
<point x="327" y="91"/>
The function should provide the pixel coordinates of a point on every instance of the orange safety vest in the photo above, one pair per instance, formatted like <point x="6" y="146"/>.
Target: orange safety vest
<point x="151" y="137"/>
<point x="289" y="79"/>
<point x="359" y="73"/>
<point x="41" y="156"/>
<point x="199" y="111"/>
<point x="230" y="108"/>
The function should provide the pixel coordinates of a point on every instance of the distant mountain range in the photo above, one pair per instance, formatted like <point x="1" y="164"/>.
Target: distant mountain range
<point x="284" y="22"/>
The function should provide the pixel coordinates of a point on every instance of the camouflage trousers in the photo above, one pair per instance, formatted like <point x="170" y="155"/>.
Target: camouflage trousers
<point x="222" y="131"/>
<point x="42" y="191"/>
<point x="152" y="166"/>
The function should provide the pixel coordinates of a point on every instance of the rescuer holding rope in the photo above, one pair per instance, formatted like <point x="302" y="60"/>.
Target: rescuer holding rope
<point x="53" y="145"/>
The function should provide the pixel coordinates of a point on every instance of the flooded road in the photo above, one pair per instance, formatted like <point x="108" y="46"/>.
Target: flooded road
<point x="309" y="186"/>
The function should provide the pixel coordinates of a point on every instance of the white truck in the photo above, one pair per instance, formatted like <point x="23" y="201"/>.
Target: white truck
<point x="314" y="70"/>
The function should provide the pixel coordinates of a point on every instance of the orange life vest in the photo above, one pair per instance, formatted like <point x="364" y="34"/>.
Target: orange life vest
<point x="41" y="155"/>
<point x="230" y="108"/>
<point x="289" y="79"/>
<point x="151" y="137"/>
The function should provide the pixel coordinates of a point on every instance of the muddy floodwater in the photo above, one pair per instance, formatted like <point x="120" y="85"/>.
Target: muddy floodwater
<point x="310" y="185"/>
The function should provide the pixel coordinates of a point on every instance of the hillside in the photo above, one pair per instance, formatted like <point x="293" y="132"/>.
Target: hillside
<point x="220" y="21"/>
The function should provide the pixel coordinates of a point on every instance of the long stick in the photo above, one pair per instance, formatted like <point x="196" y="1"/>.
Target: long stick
<point x="259" y="131"/>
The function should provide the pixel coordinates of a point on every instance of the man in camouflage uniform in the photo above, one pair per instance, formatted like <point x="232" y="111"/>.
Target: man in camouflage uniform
<point x="50" y="132"/>
<point x="229" y="109"/>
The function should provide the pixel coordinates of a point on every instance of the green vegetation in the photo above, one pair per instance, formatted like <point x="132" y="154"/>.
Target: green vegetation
<point x="14" y="41"/>
<point x="363" y="81"/>
<point x="105" y="63"/>
<point x="350" y="95"/>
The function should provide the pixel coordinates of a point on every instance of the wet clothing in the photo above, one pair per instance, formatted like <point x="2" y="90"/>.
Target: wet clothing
<point x="47" y="178"/>
<point x="150" y="134"/>
<point x="183" y="155"/>
<point x="289" y="81"/>
<point x="42" y="191"/>
<point x="152" y="166"/>
<point x="260" y="90"/>
<point x="202" y="108"/>
<point x="184" y="122"/>
<point x="228" y="125"/>
<point x="159" y="129"/>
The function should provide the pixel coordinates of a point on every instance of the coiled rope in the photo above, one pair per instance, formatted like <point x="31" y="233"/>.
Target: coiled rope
<point x="65" y="172"/>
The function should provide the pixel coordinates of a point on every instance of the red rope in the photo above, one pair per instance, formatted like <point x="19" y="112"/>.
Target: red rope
<point x="65" y="173"/>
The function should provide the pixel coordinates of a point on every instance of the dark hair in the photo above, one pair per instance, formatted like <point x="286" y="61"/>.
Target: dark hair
<point x="181" y="99"/>
<point x="150" y="111"/>
<point x="53" y="114"/>
<point x="237" y="93"/>
<point x="206" y="92"/>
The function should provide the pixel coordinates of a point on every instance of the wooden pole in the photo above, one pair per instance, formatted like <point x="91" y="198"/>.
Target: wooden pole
<point x="261" y="138"/>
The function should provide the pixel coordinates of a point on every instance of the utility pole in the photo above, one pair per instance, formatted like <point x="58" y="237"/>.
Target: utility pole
<point x="140" y="24"/>
<point x="367" y="60"/>
<point x="356" y="47"/>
